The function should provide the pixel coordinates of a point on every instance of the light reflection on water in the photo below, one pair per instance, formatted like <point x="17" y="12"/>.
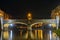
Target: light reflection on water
<point x="22" y="35"/>
<point x="50" y="35"/>
<point x="11" y="33"/>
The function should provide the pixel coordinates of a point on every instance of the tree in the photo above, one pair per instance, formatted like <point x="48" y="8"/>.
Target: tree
<point x="57" y="32"/>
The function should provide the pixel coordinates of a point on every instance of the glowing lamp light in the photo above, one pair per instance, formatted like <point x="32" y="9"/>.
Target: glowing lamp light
<point x="29" y="16"/>
<point x="11" y="25"/>
<point x="6" y="25"/>
<point x="53" y="25"/>
<point x="1" y="14"/>
<point x="57" y="14"/>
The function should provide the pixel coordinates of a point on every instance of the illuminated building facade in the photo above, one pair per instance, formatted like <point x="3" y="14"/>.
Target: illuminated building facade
<point x="55" y="12"/>
<point x="5" y="15"/>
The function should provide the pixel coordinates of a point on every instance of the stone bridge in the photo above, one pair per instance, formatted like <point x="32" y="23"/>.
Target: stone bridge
<point x="30" y="23"/>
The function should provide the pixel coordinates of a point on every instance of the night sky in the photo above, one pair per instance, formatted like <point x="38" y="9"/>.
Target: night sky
<point x="38" y="8"/>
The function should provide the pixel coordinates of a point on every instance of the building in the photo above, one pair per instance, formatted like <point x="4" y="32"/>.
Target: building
<point x="55" y="12"/>
<point x="5" y="15"/>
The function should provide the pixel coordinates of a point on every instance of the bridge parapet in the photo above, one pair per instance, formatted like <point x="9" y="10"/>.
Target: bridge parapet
<point x="44" y="20"/>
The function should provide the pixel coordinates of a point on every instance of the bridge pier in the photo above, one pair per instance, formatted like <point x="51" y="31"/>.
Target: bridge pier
<point x="30" y="34"/>
<point x="57" y="21"/>
<point x="1" y="18"/>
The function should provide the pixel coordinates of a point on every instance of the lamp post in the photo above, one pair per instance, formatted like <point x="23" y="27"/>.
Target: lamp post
<point x="1" y="18"/>
<point x="57" y="20"/>
<point x="29" y="17"/>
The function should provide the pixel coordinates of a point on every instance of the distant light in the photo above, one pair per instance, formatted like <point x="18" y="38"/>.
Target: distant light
<point x="11" y="24"/>
<point x="49" y="25"/>
<point x="57" y="14"/>
<point x="1" y="14"/>
<point x="29" y="16"/>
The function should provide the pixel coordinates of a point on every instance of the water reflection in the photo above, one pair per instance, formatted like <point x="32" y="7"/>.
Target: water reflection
<point x="21" y="35"/>
<point x="1" y="34"/>
<point x="11" y="35"/>
<point x="5" y="35"/>
<point x="50" y="34"/>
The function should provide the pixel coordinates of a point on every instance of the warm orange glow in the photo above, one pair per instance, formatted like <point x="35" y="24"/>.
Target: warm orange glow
<point x="35" y="33"/>
<point x="6" y="35"/>
<point x="6" y="18"/>
<point x="29" y="16"/>
<point x="1" y="14"/>
<point x="6" y="25"/>
<point x="40" y="24"/>
<point x="57" y="14"/>
<point x="40" y="34"/>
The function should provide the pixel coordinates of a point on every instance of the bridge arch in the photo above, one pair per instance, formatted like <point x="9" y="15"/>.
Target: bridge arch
<point x="41" y="23"/>
<point x="47" y="25"/>
<point x="7" y="24"/>
<point x="20" y="23"/>
<point x="53" y="25"/>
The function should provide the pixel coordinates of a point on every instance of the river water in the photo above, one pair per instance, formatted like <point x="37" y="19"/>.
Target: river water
<point x="28" y="35"/>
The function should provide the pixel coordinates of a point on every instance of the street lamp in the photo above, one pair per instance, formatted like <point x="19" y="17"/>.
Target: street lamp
<point x="29" y="16"/>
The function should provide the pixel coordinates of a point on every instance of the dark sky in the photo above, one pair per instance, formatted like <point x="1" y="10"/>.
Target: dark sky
<point x="38" y="8"/>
